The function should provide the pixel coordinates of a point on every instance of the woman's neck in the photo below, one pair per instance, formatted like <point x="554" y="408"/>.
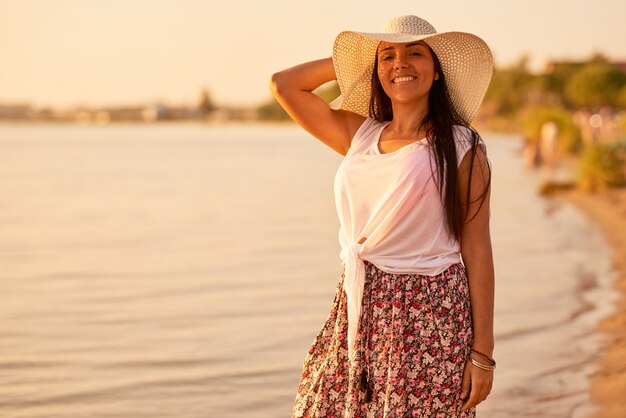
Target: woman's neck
<point x="406" y="122"/>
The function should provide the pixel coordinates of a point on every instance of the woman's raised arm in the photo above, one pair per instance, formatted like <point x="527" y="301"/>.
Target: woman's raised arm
<point x="293" y="89"/>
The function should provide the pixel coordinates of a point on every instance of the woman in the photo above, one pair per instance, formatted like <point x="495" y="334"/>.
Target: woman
<point x="410" y="332"/>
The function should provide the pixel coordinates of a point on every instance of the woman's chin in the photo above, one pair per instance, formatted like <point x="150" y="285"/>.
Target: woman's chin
<point x="408" y="99"/>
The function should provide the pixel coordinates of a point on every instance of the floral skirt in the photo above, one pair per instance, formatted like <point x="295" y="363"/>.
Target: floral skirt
<point x="414" y="338"/>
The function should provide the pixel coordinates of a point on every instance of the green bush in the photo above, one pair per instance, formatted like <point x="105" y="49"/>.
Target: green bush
<point x="620" y="121"/>
<point x="533" y="119"/>
<point x="596" y="84"/>
<point x="602" y="166"/>
<point x="509" y="87"/>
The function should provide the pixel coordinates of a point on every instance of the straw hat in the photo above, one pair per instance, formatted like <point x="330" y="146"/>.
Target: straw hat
<point x="465" y="60"/>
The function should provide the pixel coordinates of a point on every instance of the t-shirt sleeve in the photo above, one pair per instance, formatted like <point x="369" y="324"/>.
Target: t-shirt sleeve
<point x="463" y="141"/>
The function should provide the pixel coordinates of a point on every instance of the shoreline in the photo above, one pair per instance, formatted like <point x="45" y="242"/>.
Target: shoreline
<point x="608" y="381"/>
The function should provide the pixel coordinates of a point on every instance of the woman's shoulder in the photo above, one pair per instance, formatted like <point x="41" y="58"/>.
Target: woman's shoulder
<point x="465" y="135"/>
<point x="364" y="131"/>
<point x="369" y="123"/>
<point x="462" y="133"/>
<point x="464" y="141"/>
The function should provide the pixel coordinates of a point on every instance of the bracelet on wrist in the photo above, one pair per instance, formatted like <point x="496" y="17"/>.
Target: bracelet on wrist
<point x="489" y="360"/>
<point x="482" y="366"/>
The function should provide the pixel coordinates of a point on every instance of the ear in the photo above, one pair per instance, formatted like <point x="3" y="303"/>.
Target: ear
<point x="436" y="75"/>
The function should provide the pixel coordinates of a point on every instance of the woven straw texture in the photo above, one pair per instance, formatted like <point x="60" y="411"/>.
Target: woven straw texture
<point x="466" y="62"/>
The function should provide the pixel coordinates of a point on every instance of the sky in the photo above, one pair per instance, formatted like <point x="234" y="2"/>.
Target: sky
<point x="64" y="53"/>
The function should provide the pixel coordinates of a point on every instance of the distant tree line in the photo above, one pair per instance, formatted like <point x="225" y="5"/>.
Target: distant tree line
<point x="578" y="85"/>
<point x="585" y="100"/>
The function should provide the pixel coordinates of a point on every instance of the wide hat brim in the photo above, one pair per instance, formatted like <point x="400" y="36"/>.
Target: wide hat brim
<point x="466" y="62"/>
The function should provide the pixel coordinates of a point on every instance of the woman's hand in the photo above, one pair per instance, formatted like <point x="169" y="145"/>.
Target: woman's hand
<point x="476" y="383"/>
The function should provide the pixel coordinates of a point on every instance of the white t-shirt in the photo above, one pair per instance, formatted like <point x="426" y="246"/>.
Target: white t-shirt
<point x="393" y="200"/>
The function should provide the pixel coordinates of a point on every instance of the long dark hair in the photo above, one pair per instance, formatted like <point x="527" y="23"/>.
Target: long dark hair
<point x="440" y="120"/>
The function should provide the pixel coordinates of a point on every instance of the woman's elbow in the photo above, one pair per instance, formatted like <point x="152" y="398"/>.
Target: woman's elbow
<point x="276" y="83"/>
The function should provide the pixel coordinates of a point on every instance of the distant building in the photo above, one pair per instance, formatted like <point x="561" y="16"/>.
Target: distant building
<point x="15" y="111"/>
<point x="141" y="113"/>
<point x="154" y="112"/>
<point x="233" y="114"/>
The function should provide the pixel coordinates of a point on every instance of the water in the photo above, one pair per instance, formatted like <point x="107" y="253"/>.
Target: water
<point x="184" y="270"/>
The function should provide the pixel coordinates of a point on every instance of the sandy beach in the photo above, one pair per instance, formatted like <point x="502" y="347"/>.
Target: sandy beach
<point x="608" y="383"/>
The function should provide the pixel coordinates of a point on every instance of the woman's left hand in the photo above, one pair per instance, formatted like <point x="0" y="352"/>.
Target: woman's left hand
<point x="476" y="383"/>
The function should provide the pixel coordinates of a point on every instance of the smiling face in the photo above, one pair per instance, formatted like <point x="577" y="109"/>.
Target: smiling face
<point x="406" y="71"/>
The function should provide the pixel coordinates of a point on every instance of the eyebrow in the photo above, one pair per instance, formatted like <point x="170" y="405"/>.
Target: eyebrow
<point x="407" y="45"/>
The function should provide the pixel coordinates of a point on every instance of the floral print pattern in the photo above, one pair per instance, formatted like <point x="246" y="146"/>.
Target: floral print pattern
<point x="415" y="336"/>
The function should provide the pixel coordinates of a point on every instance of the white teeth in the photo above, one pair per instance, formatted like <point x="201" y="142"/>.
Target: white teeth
<point x="401" y="79"/>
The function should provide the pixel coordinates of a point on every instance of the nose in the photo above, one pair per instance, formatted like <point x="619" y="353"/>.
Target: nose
<point x="399" y="62"/>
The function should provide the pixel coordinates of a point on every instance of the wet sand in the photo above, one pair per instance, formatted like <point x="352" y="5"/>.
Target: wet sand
<point x="608" y="382"/>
